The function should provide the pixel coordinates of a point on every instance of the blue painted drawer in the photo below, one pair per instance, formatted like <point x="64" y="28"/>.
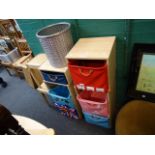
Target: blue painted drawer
<point x="54" y="77"/>
<point x="97" y="120"/>
<point x="61" y="96"/>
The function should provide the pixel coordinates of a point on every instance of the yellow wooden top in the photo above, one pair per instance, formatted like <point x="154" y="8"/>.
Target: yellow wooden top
<point x="98" y="48"/>
<point x="37" y="61"/>
<point x="46" y="66"/>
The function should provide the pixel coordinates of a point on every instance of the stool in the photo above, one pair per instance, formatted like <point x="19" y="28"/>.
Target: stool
<point x="136" y="118"/>
<point x="33" y="127"/>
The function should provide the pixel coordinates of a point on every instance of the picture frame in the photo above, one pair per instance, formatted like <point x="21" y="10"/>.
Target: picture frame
<point x="141" y="77"/>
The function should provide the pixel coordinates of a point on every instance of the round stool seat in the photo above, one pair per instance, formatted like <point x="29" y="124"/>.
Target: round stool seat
<point x="136" y="118"/>
<point x="33" y="127"/>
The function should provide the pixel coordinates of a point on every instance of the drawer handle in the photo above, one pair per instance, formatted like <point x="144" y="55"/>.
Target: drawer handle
<point x="85" y="74"/>
<point x="52" y="79"/>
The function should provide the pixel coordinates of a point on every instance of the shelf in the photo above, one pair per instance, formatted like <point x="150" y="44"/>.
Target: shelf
<point x="37" y="61"/>
<point x="43" y="88"/>
<point x="55" y="83"/>
<point x="46" y="66"/>
<point x="98" y="48"/>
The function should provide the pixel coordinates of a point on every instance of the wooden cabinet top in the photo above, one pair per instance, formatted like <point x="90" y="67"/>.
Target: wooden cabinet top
<point x="98" y="48"/>
<point x="37" y="61"/>
<point x="46" y="66"/>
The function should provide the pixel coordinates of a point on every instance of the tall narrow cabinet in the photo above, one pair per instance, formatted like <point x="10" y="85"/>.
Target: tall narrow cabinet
<point x="98" y="49"/>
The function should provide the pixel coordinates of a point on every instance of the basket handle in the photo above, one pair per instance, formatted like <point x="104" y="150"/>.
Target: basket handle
<point x="52" y="79"/>
<point x="85" y="74"/>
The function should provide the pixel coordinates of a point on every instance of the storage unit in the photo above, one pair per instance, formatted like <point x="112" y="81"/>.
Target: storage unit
<point x="10" y="57"/>
<point x="58" y="85"/>
<point x="92" y="66"/>
<point x="33" y="75"/>
<point x="32" y="72"/>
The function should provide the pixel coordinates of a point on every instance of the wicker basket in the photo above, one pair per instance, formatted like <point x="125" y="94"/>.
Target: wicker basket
<point x="56" y="41"/>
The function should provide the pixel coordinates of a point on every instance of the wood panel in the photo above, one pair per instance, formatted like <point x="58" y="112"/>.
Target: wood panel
<point x="98" y="48"/>
<point x="46" y="66"/>
<point x="28" y="77"/>
<point x="112" y="82"/>
<point x="35" y="75"/>
<point x="73" y="94"/>
<point x="37" y="61"/>
<point x="43" y="88"/>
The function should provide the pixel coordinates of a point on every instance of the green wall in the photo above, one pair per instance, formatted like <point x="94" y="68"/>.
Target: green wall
<point x="127" y="32"/>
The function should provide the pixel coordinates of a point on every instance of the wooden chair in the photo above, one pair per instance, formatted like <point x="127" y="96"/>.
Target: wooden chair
<point x="19" y="65"/>
<point x="22" y="45"/>
<point x="8" y="28"/>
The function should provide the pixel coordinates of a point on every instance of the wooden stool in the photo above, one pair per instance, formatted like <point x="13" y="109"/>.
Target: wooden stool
<point x="33" y="127"/>
<point x="136" y="118"/>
